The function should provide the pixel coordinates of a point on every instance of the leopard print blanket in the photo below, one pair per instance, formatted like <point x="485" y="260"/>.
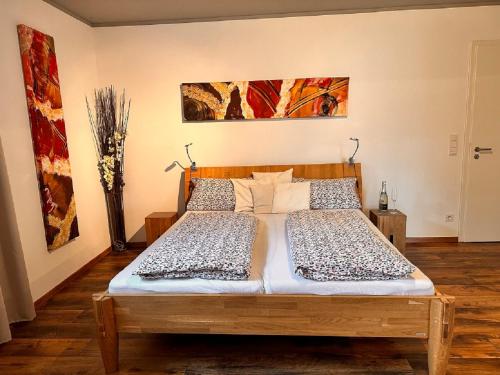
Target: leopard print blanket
<point x="210" y="245"/>
<point x="340" y="245"/>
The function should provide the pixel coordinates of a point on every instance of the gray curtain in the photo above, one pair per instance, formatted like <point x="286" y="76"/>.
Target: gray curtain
<point x="16" y="303"/>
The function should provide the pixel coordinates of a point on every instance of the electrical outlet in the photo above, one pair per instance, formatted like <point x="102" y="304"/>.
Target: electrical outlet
<point x="449" y="218"/>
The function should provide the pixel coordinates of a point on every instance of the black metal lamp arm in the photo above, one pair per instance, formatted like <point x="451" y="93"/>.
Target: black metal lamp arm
<point x="193" y="163"/>
<point x="172" y="166"/>
<point x="351" y="159"/>
<point x="175" y="162"/>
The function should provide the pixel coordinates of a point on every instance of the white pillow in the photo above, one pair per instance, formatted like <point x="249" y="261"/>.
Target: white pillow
<point x="263" y="195"/>
<point x="291" y="197"/>
<point x="273" y="177"/>
<point x="243" y="194"/>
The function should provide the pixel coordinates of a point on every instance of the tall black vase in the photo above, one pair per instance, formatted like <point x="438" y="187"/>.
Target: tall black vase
<point x="116" y="219"/>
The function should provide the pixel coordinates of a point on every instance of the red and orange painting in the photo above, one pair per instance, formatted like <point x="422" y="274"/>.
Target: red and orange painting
<point x="281" y="98"/>
<point x="48" y="134"/>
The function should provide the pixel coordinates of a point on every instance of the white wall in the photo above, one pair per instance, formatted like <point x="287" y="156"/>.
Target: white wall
<point x="408" y="92"/>
<point x="76" y="58"/>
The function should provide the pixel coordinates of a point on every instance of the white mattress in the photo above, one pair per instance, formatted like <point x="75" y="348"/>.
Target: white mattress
<point x="279" y="277"/>
<point x="271" y="273"/>
<point x="127" y="283"/>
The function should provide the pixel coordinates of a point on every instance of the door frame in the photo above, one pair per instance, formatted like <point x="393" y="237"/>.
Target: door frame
<point x="469" y="127"/>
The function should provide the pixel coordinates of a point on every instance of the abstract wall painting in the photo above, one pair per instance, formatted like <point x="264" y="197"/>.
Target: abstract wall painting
<point x="48" y="134"/>
<point x="282" y="98"/>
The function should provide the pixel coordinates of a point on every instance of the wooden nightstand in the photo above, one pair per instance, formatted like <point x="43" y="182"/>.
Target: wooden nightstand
<point x="392" y="223"/>
<point x="157" y="223"/>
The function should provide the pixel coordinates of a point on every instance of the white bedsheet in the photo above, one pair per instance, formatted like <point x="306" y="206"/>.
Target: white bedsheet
<point x="279" y="277"/>
<point x="126" y="282"/>
<point x="271" y="273"/>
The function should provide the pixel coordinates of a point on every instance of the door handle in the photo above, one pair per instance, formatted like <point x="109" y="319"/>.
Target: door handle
<point x="483" y="149"/>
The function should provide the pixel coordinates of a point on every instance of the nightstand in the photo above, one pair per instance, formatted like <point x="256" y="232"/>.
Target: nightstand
<point x="392" y="223"/>
<point x="157" y="223"/>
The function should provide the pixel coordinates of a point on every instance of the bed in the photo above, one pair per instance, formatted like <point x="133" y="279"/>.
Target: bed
<point x="275" y="301"/>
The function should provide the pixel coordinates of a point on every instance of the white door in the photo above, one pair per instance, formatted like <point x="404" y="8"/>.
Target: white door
<point x="480" y="219"/>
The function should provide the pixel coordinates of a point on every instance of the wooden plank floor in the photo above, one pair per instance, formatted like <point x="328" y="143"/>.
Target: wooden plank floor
<point x="62" y="338"/>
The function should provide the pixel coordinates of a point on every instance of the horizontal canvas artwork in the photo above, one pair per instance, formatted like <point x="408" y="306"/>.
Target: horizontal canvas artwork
<point x="48" y="134"/>
<point x="281" y="98"/>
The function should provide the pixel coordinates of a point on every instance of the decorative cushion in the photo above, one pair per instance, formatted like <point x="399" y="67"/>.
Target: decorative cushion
<point x="333" y="193"/>
<point x="274" y="177"/>
<point x="262" y="195"/>
<point x="291" y="197"/>
<point x="212" y="194"/>
<point x="243" y="194"/>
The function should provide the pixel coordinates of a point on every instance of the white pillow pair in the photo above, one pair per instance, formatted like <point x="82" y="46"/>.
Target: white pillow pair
<point x="271" y="193"/>
<point x="281" y="198"/>
<point x="243" y="194"/>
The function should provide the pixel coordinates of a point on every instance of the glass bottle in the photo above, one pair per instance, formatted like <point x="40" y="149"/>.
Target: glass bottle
<point x="383" y="202"/>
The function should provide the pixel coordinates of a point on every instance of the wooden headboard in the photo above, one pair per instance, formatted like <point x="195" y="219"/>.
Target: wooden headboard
<point x="335" y="170"/>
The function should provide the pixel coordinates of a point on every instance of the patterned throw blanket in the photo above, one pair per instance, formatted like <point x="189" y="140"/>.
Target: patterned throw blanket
<point x="212" y="245"/>
<point x="340" y="245"/>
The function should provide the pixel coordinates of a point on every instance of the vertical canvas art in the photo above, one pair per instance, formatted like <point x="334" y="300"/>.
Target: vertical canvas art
<point x="281" y="98"/>
<point x="48" y="134"/>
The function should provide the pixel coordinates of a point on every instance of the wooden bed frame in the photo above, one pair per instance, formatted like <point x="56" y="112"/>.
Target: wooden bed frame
<point x="423" y="317"/>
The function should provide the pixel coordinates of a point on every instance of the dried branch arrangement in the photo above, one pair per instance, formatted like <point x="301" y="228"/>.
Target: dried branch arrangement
<point x="109" y="128"/>
<point x="108" y="123"/>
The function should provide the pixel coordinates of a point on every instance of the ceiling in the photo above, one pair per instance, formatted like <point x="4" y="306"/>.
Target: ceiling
<point x="100" y="13"/>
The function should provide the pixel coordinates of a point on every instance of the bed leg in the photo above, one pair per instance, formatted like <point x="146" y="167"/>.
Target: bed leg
<point x="107" y="334"/>
<point x="442" y="312"/>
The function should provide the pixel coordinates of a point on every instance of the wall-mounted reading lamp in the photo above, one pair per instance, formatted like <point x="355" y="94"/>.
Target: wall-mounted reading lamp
<point x="351" y="159"/>
<point x="193" y="163"/>
<point x="175" y="162"/>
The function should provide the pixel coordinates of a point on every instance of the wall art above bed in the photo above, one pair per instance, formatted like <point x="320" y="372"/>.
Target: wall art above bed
<point x="48" y="133"/>
<point x="281" y="98"/>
